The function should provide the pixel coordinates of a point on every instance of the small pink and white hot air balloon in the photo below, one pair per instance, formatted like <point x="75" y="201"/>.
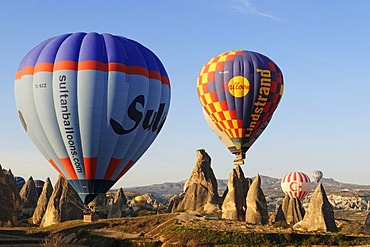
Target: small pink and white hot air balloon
<point x="295" y="185"/>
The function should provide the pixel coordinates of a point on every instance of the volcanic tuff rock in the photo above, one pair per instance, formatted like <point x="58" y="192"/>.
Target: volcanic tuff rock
<point x="367" y="222"/>
<point x="319" y="215"/>
<point x="10" y="201"/>
<point x="174" y="203"/>
<point x="201" y="194"/>
<point x="118" y="204"/>
<point x="282" y="210"/>
<point x="64" y="204"/>
<point x="42" y="202"/>
<point x="233" y="206"/>
<point x="295" y="212"/>
<point x="256" y="212"/>
<point x="290" y="211"/>
<point x="29" y="195"/>
<point x="99" y="204"/>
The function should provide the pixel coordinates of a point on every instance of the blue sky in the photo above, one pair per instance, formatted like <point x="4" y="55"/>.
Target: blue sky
<point x="322" y="48"/>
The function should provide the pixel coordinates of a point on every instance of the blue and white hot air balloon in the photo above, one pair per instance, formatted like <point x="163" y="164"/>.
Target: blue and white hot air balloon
<point x="92" y="104"/>
<point x="317" y="175"/>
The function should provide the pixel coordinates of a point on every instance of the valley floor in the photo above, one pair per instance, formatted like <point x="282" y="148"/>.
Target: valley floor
<point x="180" y="229"/>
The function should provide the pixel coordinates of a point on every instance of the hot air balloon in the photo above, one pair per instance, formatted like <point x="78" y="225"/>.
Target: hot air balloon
<point x="317" y="175"/>
<point x="20" y="182"/>
<point x="39" y="186"/>
<point x="92" y="104"/>
<point x="239" y="91"/>
<point x="295" y="185"/>
<point x="140" y="201"/>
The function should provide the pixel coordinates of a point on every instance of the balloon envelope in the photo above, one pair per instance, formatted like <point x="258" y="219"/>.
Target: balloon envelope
<point x="317" y="175"/>
<point x="20" y="182"/>
<point x="39" y="185"/>
<point x="140" y="200"/>
<point x="239" y="91"/>
<point x="295" y="185"/>
<point x="92" y="104"/>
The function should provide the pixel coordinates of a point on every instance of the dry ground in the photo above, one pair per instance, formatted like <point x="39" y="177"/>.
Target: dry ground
<point x="181" y="229"/>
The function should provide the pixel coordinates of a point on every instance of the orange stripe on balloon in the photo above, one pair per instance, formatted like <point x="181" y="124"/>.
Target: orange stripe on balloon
<point x="138" y="70"/>
<point x="125" y="169"/>
<point x="117" y="67"/>
<point x="65" y="65"/>
<point x="154" y="75"/>
<point x="92" y="65"/>
<point x="27" y="70"/>
<point x="165" y="81"/>
<point x="113" y="164"/>
<point x="90" y="167"/>
<point x="57" y="168"/>
<point x="18" y="75"/>
<point x="67" y="164"/>
<point x="44" y="67"/>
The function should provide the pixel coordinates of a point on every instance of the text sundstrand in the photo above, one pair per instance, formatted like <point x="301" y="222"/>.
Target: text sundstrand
<point x="264" y="91"/>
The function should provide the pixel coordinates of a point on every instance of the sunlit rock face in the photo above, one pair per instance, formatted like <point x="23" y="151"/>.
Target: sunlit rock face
<point x="201" y="194"/>
<point x="42" y="202"/>
<point x="256" y="212"/>
<point x="319" y="215"/>
<point x="64" y="204"/>
<point x="118" y="204"/>
<point x="29" y="197"/>
<point x="234" y="204"/>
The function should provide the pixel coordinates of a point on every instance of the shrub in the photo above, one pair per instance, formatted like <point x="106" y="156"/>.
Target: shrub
<point x="53" y="240"/>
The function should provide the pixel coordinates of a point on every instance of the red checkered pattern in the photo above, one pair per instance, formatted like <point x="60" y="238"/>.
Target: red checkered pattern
<point x="224" y="118"/>
<point x="220" y="112"/>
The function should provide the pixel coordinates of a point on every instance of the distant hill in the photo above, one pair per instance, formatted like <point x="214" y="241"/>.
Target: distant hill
<point x="169" y="189"/>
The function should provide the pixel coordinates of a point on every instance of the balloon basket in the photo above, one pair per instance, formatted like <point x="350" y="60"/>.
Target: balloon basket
<point x="91" y="218"/>
<point x="239" y="158"/>
<point x="90" y="215"/>
<point x="238" y="162"/>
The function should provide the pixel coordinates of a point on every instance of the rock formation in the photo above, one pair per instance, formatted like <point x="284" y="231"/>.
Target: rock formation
<point x="348" y="202"/>
<point x="99" y="204"/>
<point x="10" y="201"/>
<point x="64" y="204"/>
<point x="367" y="222"/>
<point x="42" y="202"/>
<point x="290" y="211"/>
<point x="29" y="196"/>
<point x="233" y="206"/>
<point x="201" y="194"/>
<point x="174" y="203"/>
<point x="282" y="210"/>
<point x="295" y="212"/>
<point x="118" y="204"/>
<point x="319" y="215"/>
<point x="256" y="212"/>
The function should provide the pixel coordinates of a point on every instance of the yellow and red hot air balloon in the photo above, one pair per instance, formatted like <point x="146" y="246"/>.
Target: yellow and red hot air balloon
<point x="239" y="91"/>
<point x="92" y="104"/>
<point x="140" y="200"/>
